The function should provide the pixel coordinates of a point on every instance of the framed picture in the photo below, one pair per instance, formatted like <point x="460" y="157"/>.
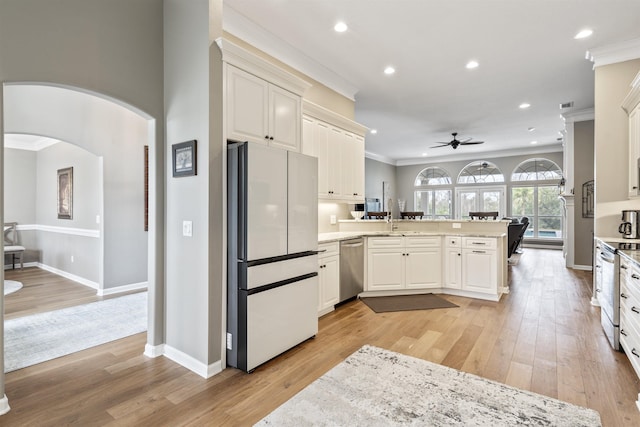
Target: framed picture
<point x="65" y="193"/>
<point x="184" y="159"/>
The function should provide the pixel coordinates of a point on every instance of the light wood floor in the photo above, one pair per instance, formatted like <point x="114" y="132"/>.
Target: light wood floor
<point x="544" y="337"/>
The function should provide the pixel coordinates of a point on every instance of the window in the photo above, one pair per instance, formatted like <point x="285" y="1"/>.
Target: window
<point x="480" y="172"/>
<point x="482" y="199"/>
<point x="429" y="196"/>
<point x="534" y="194"/>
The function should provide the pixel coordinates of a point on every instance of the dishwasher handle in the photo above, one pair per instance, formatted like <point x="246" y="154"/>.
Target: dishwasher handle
<point x="352" y="245"/>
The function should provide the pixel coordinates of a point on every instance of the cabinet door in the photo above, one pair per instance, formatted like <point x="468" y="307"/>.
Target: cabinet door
<point x="479" y="271"/>
<point x="634" y="151"/>
<point x="321" y="141"/>
<point x="423" y="268"/>
<point x="358" y="168"/>
<point x="453" y="268"/>
<point x="247" y="103"/>
<point x="347" y="149"/>
<point x="335" y="164"/>
<point x="308" y="144"/>
<point x="329" y="282"/>
<point x="285" y="113"/>
<point x="385" y="269"/>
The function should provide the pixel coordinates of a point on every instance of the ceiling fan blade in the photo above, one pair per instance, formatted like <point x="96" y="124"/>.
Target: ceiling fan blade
<point x="466" y="140"/>
<point x="439" y="146"/>
<point x="472" y="142"/>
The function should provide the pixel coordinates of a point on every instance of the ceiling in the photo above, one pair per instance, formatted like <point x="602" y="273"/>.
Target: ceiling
<point x="525" y="49"/>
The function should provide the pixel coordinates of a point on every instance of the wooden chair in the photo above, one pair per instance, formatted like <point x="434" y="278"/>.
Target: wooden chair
<point x="11" y="246"/>
<point x="411" y="215"/>
<point x="483" y="215"/>
<point x="377" y="215"/>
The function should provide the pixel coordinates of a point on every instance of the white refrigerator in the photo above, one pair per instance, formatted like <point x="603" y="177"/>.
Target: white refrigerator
<point x="272" y="286"/>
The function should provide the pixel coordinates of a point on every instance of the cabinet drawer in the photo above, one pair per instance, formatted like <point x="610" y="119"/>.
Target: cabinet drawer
<point x="385" y="242"/>
<point x="453" y="241"/>
<point x="330" y="249"/>
<point x="423" y="241"/>
<point x="479" y="242"/>
<point x="630" y="341"/>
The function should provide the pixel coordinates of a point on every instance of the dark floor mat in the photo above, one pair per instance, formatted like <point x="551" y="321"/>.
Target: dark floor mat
<point x="406" y="302"/>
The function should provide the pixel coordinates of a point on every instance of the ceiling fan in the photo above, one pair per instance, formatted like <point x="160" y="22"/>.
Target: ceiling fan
<point x="454" y="142"/>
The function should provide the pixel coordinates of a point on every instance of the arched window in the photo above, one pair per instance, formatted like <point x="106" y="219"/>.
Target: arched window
<point x="430" y="195"/>
<point x="432" y="176"/>
<point x="537" y="170"/>
<point x="480" y="172"/>
<point x="534" y="194"/>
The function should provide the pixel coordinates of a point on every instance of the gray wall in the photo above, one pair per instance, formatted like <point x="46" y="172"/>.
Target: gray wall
<point x="406" y="175"/>
<point x="107" y="47"/>
<point x="376" y="173"/>
<point x="583" y="172"/>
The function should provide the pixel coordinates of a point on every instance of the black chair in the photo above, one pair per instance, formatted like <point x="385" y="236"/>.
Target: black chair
<point x="524" y="220"/>
<point x="483" y="215"/>
<point x="514" y="234"/>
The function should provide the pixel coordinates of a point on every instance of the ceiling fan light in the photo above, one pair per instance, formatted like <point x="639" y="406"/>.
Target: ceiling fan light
<point x="389" y="70"/>
<point x="583" y="34"/>
<point x="472" y="64"/>
<point x="340" y="27"/>
<point x="524" y="105"/>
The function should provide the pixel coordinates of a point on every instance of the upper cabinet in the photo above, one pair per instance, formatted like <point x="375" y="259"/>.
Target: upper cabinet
<point x="263" y="102"/>
<point x="338" y="143"/>
<point x="631" y="105"/>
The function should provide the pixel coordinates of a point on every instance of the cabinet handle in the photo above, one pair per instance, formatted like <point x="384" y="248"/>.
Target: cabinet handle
<point x="479" y="252"/>
<point x="623" y="296"/>
<point x="478" y="243"/>
<point x="598" y="266"/>
<point x="635" y="276"/>
<point x="624" y="267"/>
<point x="635" y="310"/>
<point x="266" y="137"/>
<point x="635" y="187"/>
<point x="623" y="332"/>
<point x="271" y="138"/>
<point x="458" y="254"/>
<point x="635" y="353"/>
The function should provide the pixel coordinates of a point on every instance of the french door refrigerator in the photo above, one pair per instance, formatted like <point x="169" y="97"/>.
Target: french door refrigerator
<point x="272" y="289"/>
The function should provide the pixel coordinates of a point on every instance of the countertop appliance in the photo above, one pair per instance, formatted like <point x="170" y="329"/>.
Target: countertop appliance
<point x="630" y="227"/>
<point x="351" y="268"/>
<point x="607" y="288"/>
<point x="272" y="285"/>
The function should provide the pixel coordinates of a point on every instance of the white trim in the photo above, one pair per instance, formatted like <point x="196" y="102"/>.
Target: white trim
<point x="123" y="288"/>
<point x="85" y="232"/>
<point x="70" y="276"/>
<point x="583" y="267"/>
<point x="579" y="116"/>
<point x="237" y="24"/>
<point x="614" y="53"/>
<point x="205" y="371"/>
<point x="247" y="61"/>
<point x="4" y="405"/>
<point x="633" y="97"/>
<point x="153" y="351"/>
<point x="380" y="158"/>
<point x="326" y="115"/>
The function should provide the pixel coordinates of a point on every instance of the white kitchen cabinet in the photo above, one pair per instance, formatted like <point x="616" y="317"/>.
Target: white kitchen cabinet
<point x="329" y="277"/>
<point x="338" y="143"/>
<point x="480" y="265"/>
<point x="404" y="263"/>
<point x="630" y="311"/>
<point x="262" y="112"/>
<point x="453" y="262"/>
<point x="634" y="152"/>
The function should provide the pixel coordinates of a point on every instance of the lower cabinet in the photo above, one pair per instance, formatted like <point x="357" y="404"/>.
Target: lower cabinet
<point x="480" y="265"/>
<point x="453" y="262"/>
<point x="329" y="277"/>
<point x="404" y="263"/>
<point x="630" y="311"/>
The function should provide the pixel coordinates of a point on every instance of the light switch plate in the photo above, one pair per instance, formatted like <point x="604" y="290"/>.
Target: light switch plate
<point x="332" y="219"/>
<point x="187" y="228"/>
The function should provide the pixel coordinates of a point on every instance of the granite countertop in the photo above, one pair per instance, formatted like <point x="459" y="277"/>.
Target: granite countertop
<point x="345" y="235"/>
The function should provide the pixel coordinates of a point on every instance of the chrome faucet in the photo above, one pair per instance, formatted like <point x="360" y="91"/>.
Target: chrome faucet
<point x="390" y="216"/>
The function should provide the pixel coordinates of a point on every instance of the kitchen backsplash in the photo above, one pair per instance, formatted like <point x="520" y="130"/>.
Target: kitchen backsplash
<point x="327" y="212"/>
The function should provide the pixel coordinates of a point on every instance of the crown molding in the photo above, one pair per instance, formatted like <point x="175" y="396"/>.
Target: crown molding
<point x="380" y="158"/>
<point x="614" y="53"/>
<point x="633" y="98"/>
<point x="579" y="116"/>
<point x="326" y="115"/>
<point x="237" y="24"/>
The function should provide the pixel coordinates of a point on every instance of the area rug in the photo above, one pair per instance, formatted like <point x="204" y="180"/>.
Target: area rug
<point x="406" y="302"/>
<point x="44" y="336"/>
<point x="377" y="387"/>
<point x="11" y="286"/>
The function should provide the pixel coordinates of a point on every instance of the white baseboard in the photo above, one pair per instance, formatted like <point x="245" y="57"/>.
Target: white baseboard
<point x="124" y="288"/>
<point x="153" y="351"/>
<point x="4" y="405"/>
<point x="205" y="371"/>
<point x="582" y="267"/>
<point x="70" y="276"/>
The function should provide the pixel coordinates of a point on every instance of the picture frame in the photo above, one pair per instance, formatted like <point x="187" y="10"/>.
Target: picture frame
<point x="65" y="193"/>
<point x="185" y="159"/>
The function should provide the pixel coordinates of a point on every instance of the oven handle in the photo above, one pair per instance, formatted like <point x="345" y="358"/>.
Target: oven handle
<point x="635" y="353"/>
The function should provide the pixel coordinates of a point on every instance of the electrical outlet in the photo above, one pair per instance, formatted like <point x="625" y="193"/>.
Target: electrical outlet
<point x="187" y="228"/>
<point x="229" y="341"/>
<point x="457" y="225"/>
<point x="332" y="219"/>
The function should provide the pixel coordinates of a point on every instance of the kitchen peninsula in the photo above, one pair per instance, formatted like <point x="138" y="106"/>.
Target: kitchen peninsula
<point x="456" y="257"/>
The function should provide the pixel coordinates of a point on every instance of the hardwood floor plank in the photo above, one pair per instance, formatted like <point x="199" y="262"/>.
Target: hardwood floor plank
<point x="543" y="336"/>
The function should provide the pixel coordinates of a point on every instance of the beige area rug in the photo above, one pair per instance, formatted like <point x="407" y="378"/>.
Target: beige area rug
<point x="406" y="302"/>
<point x="377" y="387"/>
<point x="11" y="286"/>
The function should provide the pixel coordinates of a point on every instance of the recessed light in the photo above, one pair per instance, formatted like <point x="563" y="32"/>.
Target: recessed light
<point x="583" y="34"/>
<point x="531" y="129"/>
<point x="525" y="105"/>
<point x="424" y="154"/>
<point x="534" y="142"/>
<point x="340" y="27"/>
<point x="472" y="64"/>
<point x="374" y="131"/>
<point x="389" y="70"/>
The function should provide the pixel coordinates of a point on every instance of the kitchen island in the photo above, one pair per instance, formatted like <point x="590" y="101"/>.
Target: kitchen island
<point x="457" y="257"/>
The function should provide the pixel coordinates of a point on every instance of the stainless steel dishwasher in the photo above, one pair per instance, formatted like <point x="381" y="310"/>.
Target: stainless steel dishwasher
<point x="351" y="268"/>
